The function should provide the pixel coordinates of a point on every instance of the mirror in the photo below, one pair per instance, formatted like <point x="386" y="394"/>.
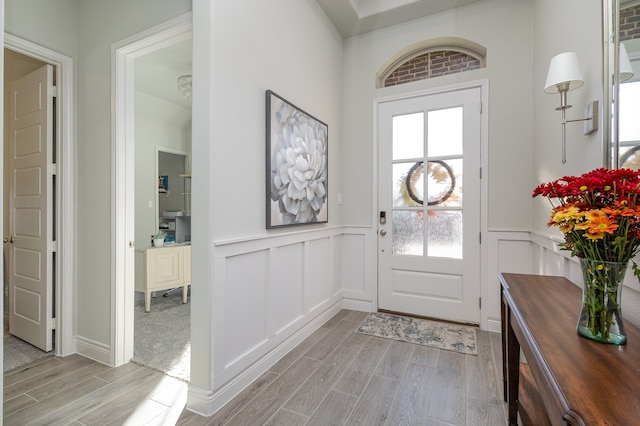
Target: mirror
<point x="622" y="83"/>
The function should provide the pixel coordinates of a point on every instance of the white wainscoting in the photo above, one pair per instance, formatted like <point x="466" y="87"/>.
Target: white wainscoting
<point x="359" y="268"/>
<point x="506" y="251"/>
<point x="271" y="292"/>
<point x="550" y="260"/>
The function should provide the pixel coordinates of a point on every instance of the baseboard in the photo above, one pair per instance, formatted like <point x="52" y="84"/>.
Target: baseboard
<point x="494" y="325"/>
<point x="358" y="305"/>
<point x="93" y="350"/>
<point x="206" y="403"/>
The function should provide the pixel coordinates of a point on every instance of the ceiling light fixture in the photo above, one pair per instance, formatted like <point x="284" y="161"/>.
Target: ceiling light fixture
<point x="184" y="86"/>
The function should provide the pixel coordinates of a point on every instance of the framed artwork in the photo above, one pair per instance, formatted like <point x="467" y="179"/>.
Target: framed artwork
<point x="296" y="165"/>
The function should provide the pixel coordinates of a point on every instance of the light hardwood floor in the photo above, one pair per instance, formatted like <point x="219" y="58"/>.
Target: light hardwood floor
<point x="334" y="377"/>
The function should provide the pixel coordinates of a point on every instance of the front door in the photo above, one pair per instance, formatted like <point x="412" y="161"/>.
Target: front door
<point x="30" y="226"/>
<point x="429" y="199"/>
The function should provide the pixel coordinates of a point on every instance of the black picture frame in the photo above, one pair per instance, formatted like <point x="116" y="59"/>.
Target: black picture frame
<point x="297" y="168"/>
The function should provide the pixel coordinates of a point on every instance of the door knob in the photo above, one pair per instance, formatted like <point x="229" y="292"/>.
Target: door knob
<point x="383" y="232"/>
<point x="8" y="240"/>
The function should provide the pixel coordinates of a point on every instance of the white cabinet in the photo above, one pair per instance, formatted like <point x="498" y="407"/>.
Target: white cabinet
<point x="163" y="268"/>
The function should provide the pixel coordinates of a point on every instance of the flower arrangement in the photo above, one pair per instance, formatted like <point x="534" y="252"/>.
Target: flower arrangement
<point x="599" y="215"/>
<point x="598" y="212"/>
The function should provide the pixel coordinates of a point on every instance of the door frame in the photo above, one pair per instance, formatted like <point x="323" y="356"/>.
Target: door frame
<point x="123" y="54"/>
<point x="381" y="96"/>
<point x="65" y="275"/>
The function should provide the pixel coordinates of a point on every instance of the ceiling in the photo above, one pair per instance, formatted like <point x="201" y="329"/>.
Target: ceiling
<point x="157" y="72"/>
<point x="353" y="17"/>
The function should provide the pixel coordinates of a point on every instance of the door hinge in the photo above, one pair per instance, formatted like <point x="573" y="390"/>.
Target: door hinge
<point x="52" y="169"/>
<point x="53" y="246"/>
<point x="480" y="172"/>
<point x="480" y="302"/>
<point x="54" y="91"/>
<point x="480" y="237"/>
<point x="52" y="323"/>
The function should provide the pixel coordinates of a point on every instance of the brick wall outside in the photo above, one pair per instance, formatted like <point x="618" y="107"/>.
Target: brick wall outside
<point x="432" y="64"/>
<point x="630" y="23"/>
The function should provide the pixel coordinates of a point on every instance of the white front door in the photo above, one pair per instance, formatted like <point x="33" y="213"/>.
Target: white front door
<point x="30" y="226"/>
<point x="429" y="202"/>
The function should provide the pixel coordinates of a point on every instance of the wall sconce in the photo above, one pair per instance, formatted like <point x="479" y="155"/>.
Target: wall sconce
<point x="565" y="75"/>
<point x="626" y="70"/>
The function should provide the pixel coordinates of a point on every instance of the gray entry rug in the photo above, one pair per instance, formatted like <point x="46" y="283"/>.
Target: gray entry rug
<point x="451" y="337"/>
<point x="163" y="336"/>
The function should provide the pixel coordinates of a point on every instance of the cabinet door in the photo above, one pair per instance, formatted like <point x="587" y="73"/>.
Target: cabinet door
<point x="165" y="268"/>
<point x="187" y="264"/>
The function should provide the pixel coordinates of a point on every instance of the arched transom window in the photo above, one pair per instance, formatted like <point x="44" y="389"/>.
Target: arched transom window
<point x="430" y="59"/>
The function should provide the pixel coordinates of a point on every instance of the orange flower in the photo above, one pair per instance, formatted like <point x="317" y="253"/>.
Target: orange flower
<point x="601" y="224"/>
<point x="593" y="215"/>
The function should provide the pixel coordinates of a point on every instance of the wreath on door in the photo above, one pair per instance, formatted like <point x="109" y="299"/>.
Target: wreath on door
<point x="438" y="171"/>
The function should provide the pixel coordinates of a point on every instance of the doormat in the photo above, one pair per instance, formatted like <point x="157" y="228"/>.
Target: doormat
<point x="451" y="337"/>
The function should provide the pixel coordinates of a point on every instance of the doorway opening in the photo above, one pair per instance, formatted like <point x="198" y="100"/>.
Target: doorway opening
<point x="54" y="261"/>
<point x="151" y="115"/>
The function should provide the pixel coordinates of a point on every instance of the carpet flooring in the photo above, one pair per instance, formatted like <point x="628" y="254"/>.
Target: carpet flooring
<point x="452" y="337"/>
<point x="17" y="352"/>
<point x="163" y="336"/>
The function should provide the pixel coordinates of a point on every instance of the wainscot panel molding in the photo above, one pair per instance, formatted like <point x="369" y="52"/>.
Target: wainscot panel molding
<point x="206" y="403"/>
<point x="359" y="268"/>
<point x="548" y="259"/>
<point x="507" y="251"/>
<point x="273" y="291"/>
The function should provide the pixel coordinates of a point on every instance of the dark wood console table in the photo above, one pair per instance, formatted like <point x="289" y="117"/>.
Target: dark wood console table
<point x="578" y="381"/>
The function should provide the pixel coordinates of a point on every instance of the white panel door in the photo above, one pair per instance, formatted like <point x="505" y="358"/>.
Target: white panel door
<point x="30" y="227"/>
<point x="429" y="199"/>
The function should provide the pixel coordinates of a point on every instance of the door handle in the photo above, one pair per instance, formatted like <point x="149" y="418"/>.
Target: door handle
<point x="8" y="240"/>
<point x="383" y="232"/>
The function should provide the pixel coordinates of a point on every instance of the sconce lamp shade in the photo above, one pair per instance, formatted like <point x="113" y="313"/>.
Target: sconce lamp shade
<point x="626" y="71"/>
<point x="564" y="68"/>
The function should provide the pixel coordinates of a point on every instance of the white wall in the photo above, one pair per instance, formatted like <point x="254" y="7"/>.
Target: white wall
<point x="508" y="170"/>
<point x="552" y="36"/>
<point x="584" y="153"/>
<point x="159" y="124"/>
<point x="289" y="47"/>
<point x="52" y="24"/>
<point x="100" y="25"/>
<point x="504" y="28"/>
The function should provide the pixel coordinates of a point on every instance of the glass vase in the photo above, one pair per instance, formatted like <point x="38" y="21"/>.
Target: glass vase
<point x="600" y="317"/>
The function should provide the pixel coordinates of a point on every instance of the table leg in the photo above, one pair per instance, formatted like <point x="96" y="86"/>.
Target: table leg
<point x="513" y="372"/>
<point x="503" y="322"/>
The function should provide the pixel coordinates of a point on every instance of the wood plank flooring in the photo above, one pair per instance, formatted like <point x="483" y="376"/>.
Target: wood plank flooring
<point x="335" y="377"/>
